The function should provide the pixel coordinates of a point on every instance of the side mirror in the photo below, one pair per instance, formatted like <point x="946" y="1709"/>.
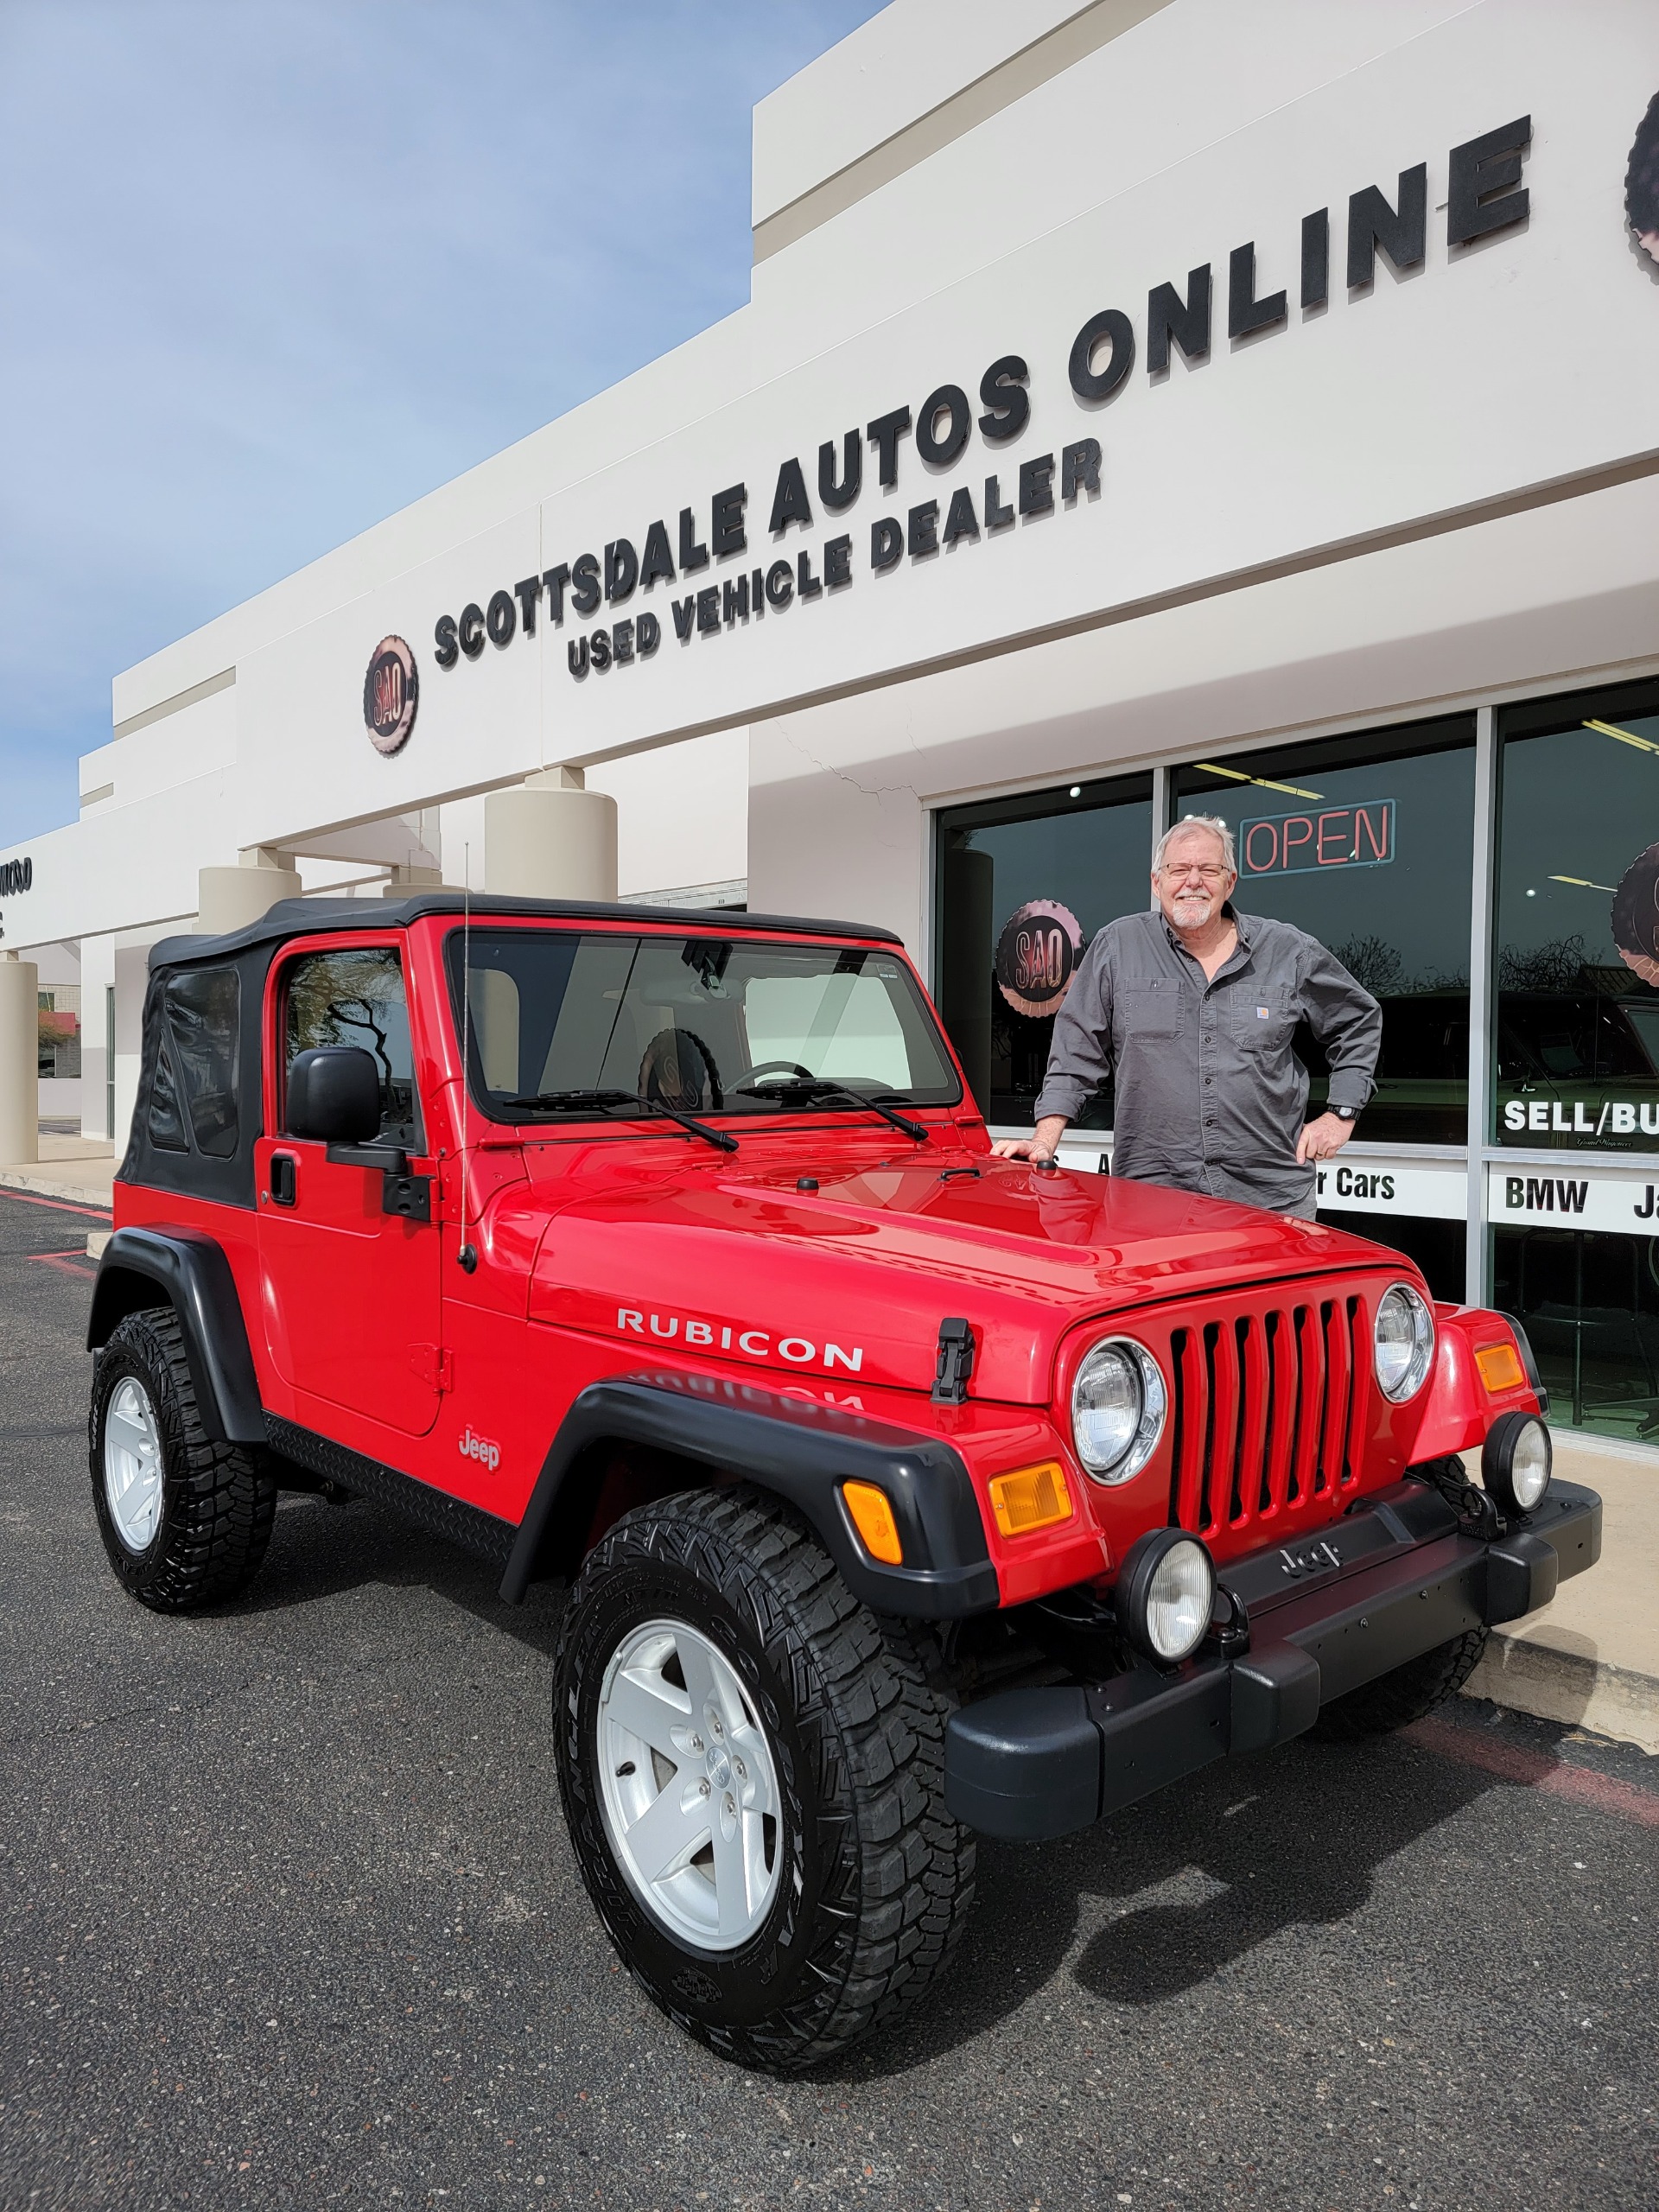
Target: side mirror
<point x="334" y="1094"/>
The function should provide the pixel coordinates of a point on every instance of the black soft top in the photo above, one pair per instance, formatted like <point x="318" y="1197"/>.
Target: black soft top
<point x="300" y="917"/>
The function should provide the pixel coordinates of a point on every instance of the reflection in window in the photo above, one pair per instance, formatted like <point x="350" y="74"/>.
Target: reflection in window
<point x="355" y="996"/>
<point x="204" y="1007"/>
<point x="1590" y="1306"/>
<point x="166" y="1117"/>
<point x="705" y="1024"/>
<point x="1023" y="886"/>
<point x="1367" y="843"/>
<point x="1577" y="1046"/>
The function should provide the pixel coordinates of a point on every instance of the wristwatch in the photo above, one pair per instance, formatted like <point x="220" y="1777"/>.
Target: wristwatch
<point x="1345" y="1112"/>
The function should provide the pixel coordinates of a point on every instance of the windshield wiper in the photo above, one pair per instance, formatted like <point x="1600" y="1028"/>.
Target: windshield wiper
<point x="574" y="1102"/>
<point x="815" y="1087"/>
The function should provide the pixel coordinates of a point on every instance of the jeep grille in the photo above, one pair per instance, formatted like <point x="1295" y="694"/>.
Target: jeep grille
<point x="1268" y="1408"/>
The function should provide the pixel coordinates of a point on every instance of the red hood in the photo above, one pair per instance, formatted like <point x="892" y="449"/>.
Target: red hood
<point x="855" y="1278"/>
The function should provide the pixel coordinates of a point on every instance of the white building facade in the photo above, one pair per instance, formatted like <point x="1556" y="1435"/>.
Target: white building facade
<point x="1139" y="409"/>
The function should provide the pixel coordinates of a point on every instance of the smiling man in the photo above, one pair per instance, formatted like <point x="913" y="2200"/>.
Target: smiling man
<point x="1193" y="1006"/>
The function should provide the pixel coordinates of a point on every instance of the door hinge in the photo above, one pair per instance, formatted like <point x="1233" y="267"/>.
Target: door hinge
<point x="435" y="1366"/>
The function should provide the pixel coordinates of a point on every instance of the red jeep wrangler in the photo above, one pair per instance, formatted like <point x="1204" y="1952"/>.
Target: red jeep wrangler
<point x="903" y="1492"/>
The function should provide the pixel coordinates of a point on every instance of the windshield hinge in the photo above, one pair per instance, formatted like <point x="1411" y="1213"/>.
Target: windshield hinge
<point x="955" y="1362"/>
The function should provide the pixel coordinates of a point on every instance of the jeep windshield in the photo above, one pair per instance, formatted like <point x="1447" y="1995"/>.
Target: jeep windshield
<point x="568" y="1024"/>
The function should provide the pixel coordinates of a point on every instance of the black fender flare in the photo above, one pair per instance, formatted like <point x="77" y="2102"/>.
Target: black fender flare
<point x="801" y="1451"/>
<point x="194" y="1277"/>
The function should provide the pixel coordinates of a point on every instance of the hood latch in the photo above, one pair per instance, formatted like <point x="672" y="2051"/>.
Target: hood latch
<point x="955" y="1362"/>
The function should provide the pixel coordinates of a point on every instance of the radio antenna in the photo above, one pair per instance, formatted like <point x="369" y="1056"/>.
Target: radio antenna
<point x="467" y="1255"/>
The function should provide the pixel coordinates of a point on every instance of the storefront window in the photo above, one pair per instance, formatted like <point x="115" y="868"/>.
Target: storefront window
<point x="1437" y="1246"/>
<point x="1023" y="885"/>
<point x="1590" y="1306"/>
<point x="1367" y="843"/>
<point x="1577" y="1042"/>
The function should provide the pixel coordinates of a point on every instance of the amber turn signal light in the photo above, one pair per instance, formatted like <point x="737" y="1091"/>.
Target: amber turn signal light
<point x="1500" y="1368"/>
<point x="872" y="1512"/>
<point x="1030" y="1498"/>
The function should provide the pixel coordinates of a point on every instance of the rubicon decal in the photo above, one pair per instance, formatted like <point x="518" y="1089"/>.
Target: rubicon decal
<point x="733" y="1337"/>
<point x="481" y="1448"/>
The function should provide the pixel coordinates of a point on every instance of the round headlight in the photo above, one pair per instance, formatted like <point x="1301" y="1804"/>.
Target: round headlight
<point x="1166" y="1594"/>
<point x="1516" y="1461"/>
<point x="1403" y="1341"/>
<point x="1118" y="1403"/>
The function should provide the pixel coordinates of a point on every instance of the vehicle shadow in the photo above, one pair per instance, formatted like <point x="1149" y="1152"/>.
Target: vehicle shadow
<point x="1192" y="1881"/>
<point x="320" y="1550"/>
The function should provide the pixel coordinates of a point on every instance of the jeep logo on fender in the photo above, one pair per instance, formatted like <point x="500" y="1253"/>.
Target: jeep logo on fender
<point x="480" y="1449"/>
<point x="391" y="691"/>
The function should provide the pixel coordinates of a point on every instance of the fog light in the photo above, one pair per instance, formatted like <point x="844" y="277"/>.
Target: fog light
<point x="1030" y="1498"/>
<point x="1165" y="1595"/>
<point x="1516" y="1461"/>
<point x="871" y="1512"/>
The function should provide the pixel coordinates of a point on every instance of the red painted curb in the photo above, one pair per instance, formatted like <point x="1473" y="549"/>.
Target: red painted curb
<point x="63" y="1205"/>
<point x="1579" y="1785"/>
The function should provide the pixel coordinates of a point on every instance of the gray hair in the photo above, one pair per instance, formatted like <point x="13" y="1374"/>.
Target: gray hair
<point x="1210" y="822"/>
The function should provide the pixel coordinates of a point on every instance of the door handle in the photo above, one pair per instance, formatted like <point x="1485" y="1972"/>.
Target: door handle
<point x="284" y="1178"/>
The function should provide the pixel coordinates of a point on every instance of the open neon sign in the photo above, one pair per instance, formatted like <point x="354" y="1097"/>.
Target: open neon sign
<point x="1318" y="837"/>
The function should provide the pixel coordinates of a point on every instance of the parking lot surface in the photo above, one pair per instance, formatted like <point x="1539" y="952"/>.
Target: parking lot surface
<point x="288" y="1918"/>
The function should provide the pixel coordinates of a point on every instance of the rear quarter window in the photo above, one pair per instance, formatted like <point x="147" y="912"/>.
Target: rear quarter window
<point x="203" y="1014"/>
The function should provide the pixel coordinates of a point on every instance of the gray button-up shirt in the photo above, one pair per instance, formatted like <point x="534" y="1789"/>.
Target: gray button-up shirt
<point x="1209" y="1096"/>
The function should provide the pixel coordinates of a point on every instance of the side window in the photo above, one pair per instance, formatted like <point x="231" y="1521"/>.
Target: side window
<point x="204" y="1007"/>
<point x="355" y="996"/>
<point x="166" y="1117"/>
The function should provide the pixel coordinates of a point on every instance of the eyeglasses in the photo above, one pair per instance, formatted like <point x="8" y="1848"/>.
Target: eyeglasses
<point x="1210" y="874"/>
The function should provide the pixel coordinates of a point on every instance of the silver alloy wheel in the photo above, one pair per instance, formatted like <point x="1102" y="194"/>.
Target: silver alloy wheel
<point x="132" y="1465"/>
<point x="688" y="1786"/>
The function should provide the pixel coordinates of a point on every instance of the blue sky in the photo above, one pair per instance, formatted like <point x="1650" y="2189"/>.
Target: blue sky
<point x="271" y="269"/>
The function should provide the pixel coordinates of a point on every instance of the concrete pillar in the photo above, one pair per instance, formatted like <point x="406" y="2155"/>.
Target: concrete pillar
<point x="231" y="898"/>
<point x="403" y="881"/>
<point x="548" y="838"/>
<point x="97" y="1040"/>
<point x="20" y="1089"/>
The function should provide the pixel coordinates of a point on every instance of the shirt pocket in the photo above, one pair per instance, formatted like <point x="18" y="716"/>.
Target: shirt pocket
<point x="1152" y="1009"/>
<point x="1262" y="1021"/>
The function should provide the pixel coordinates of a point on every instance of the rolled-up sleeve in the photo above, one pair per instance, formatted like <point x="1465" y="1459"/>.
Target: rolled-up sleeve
<point x="1080" y="1056"/>
<point x="1346" y="1019"/>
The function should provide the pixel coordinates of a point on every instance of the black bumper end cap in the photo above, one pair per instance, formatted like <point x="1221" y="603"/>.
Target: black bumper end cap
<point x="1521" y="1573"/>
<point x="1275" y="1696"/>
<point x="1025" y="1764"/>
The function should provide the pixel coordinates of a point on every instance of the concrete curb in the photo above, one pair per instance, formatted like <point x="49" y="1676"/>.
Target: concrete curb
<point x="1564" y="1686"/>
<point x="43" y="1186"/>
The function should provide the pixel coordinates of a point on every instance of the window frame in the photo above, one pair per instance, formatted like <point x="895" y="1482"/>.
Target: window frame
<point x="452" y="962"/>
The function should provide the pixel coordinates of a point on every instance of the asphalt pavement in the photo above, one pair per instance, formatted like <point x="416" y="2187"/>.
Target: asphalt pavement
<point x="289" y="1918"/>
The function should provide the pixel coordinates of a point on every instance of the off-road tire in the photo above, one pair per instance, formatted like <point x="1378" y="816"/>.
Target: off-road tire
<point x="877" y="1877"/>
<point x="218" y="1500"/>
<point x="1405" y="1694"/>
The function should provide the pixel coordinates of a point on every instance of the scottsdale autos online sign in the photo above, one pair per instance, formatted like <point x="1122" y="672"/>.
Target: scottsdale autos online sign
<point x="994" y="492"/>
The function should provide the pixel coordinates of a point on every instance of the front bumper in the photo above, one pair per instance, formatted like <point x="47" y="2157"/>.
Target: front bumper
<point x="1032" y="1764"/>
